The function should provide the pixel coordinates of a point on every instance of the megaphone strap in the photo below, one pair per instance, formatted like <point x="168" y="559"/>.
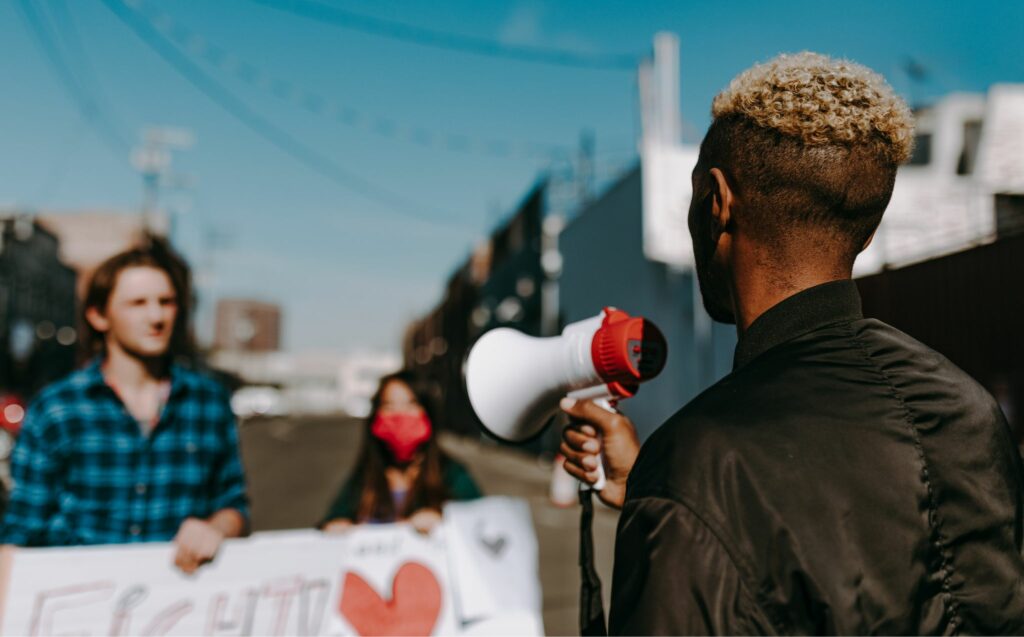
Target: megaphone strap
<point x="591" y="605"/>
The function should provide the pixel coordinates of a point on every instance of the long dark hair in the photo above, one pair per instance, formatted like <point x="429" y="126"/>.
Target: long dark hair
<point x="428" y="490"/>
<point x="154" y="253"/>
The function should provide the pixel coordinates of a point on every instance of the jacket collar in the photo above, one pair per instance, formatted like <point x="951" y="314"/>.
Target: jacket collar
<point x="805" y="311"/>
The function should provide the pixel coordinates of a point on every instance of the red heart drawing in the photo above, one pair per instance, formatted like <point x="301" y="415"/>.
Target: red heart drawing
<point x="413" y="609"/>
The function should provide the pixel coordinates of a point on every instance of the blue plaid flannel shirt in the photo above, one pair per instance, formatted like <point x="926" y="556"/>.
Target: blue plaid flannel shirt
<point x="85" y="473"/>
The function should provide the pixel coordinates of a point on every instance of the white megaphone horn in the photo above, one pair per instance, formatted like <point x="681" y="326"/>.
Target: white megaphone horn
<point x="515" y="381"/>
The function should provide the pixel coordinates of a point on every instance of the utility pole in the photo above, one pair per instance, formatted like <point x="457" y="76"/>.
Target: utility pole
<point x="213" y="240"/>
<point x="585" y="169"/>
<point x="153" y="162"/>
<point x="660" y="118"/>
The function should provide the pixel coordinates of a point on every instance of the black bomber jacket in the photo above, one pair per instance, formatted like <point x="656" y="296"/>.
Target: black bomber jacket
<point x="844" y="478"/>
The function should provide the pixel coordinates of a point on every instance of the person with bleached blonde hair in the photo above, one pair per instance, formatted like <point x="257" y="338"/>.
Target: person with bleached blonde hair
<point x="844" y="478"/>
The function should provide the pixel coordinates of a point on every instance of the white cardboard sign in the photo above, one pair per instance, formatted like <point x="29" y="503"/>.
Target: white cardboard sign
<point x="373" y="580"/>
<point x="496" y="544"/>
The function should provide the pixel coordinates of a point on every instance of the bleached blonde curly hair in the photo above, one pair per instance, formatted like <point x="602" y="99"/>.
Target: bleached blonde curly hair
<point x="821" y="101"/>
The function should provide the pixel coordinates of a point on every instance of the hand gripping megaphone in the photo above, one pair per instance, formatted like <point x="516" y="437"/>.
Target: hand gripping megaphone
<point x="515" y="381"/>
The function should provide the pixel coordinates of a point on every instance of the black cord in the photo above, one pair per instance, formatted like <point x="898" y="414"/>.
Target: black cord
<point x="591" y="605"/>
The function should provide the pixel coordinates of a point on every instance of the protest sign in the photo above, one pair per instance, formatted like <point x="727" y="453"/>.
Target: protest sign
<point x="372" y="580"/>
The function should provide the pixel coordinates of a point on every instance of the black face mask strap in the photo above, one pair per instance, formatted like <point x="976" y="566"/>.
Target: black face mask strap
<point x="591" y="605"/>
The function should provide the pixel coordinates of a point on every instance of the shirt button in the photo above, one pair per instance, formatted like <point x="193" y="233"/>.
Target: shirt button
<point x="191" y="447"/>
<point x="140" y="488"/>
<point x="135" y="530"/>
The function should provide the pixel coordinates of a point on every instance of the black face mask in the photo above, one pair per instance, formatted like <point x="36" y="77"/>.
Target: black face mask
<point x="713" y="280"/>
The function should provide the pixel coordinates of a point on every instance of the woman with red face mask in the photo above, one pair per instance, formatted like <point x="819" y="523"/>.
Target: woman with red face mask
<point x="401" y="474"/>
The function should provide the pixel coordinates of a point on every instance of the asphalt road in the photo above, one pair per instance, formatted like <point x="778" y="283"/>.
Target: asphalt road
<point x="296" y="465"/>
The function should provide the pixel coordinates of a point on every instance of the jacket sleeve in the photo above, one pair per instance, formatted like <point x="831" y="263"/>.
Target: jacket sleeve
<point x="38" y="465"/>
<point x="674" y="576"/>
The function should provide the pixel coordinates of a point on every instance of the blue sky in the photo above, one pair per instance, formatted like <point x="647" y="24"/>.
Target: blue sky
<point x="350" y="271"/>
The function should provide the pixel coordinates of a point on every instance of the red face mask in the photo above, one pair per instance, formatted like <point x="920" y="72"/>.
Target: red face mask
<point x="403" y="433"/>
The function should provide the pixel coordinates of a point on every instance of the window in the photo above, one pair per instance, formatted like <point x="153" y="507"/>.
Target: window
<point x="922" y="155"/>
<point x="969" y="154"/>
<point x="1009" y="214"/>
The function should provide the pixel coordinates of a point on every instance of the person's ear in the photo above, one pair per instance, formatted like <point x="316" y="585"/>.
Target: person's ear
<point x="721" y="202"/>
<point x="97" y="320"/>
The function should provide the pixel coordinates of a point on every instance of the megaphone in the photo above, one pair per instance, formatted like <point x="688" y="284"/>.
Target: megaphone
<point x="515" y="381"/>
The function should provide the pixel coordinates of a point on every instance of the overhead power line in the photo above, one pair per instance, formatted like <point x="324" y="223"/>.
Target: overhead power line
<point x="199" y="47"/>
<point x="68" y="36"/>
<point x="337" y="16"/>
<point x="64" y="158"/>
<point x="86" y="102"/>
<point x="262" y="126"/>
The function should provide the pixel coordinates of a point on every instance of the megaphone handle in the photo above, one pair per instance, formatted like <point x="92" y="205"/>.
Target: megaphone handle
<point x="605" y="404"/>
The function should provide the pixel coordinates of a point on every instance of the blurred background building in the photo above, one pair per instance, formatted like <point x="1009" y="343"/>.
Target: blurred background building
<point x="86" y="238"/>
<point x="247" y="325"/>
<point x="38" y="323"/>
<point x="964" y="184"/>
<point x="272" y="382"/>
<point x="276" y="383"/>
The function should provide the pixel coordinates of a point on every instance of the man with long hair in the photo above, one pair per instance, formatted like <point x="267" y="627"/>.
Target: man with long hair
<point x="134" y="447"/>
<point x="844" y="478"/>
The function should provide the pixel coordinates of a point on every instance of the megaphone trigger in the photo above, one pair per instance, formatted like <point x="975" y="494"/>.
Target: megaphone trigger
<point x="608" y="405"/>
<point x="604" y="401"/>
<point x="601" y="481"/>
<point x="583" y="428"/>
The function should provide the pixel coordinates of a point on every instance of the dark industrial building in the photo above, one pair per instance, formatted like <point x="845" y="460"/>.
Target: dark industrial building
<point x="969" y="306"/>
<point x="498" y="285"/>
<point x="38" y="323"/>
